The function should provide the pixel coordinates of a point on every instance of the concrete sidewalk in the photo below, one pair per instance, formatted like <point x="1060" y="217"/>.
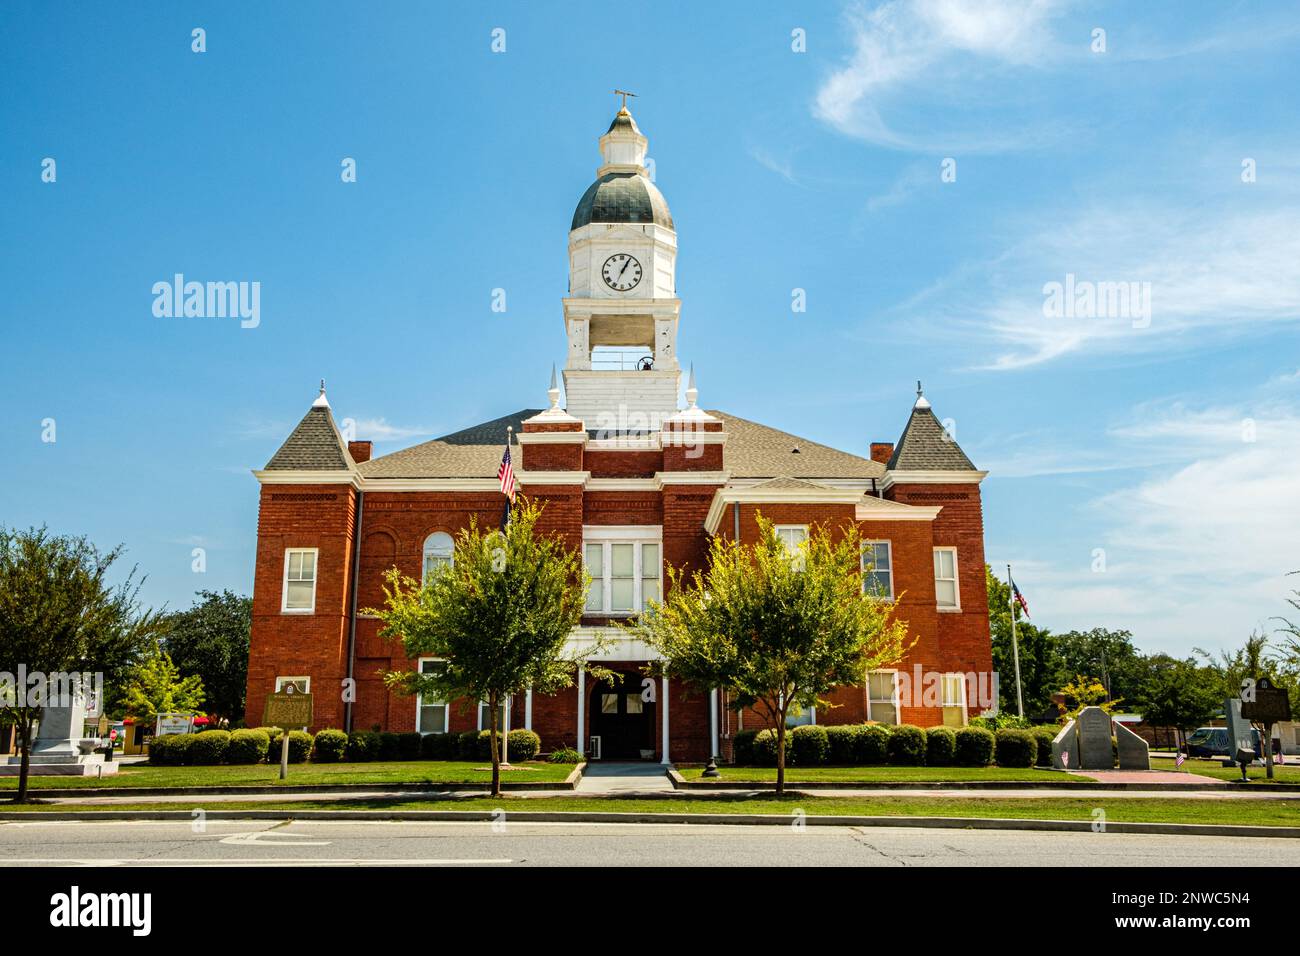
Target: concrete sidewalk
<point x="625" y="779"/>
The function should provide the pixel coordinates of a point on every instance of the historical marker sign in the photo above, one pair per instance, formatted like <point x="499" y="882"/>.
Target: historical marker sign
<point x="290" y="709"/>
<point x="1264" y="703"/>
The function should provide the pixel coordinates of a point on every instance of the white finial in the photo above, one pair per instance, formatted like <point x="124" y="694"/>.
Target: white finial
<point x="921" y="400"/>
<point x="321" y="400"/>
<point x="692" y="393"/>
<point x="554" y="391"/>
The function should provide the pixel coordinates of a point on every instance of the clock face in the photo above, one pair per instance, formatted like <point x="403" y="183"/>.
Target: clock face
<point x="621" y="272"/>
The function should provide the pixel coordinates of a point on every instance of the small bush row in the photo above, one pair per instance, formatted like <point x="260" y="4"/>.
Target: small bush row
<point x="897" y="745"/>
<point x="259" y="744"/>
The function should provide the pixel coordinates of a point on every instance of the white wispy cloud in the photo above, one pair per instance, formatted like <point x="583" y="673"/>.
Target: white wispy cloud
<point x="936" y="50"/>
<point x="380" y="429"/>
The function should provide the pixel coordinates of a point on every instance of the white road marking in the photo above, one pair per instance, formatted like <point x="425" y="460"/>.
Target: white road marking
<point x="282" y="861"/>
<point x="255" y="837"/>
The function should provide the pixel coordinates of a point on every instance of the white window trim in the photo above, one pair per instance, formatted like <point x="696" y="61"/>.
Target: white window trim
<point x="778" y="528"/>
<point x="284" y="582"/>
<point x="419" y="701"/>
<point x="606" y="535"/>
<point x="425" y="551"/>
<point x="897" y="696"/>
<point x="281" y="681"/>
<point x="505" y="709"/>
<point x="956" y="585"/>
<point x="862" y="565"/>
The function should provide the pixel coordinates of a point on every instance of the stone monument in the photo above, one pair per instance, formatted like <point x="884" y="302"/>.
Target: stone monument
<point x="1095" y="752"/>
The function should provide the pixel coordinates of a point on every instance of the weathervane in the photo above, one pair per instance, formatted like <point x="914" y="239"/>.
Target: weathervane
<point x="625" y="94"/>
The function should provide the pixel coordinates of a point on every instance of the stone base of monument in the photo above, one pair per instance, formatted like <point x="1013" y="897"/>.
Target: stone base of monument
<point x="60" y="765"/>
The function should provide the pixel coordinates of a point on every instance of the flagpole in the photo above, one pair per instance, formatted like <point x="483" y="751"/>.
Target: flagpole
<point x="1015" y="645"/>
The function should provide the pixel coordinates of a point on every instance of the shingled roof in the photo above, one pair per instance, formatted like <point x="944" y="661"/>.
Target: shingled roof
<point x="315" y="445"/>
<point x="752" y="451"/>
<point x="926" y="446"/>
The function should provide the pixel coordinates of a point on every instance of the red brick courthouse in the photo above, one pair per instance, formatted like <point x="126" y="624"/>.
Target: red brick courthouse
<point x="637" y="480"/>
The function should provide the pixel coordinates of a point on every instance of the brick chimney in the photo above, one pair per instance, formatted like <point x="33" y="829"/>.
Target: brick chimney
<point x="360" y="451"/>
<point x="882" y="451"/>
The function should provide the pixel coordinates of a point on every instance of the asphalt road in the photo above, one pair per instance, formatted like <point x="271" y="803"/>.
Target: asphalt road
<point x="326" y="843"/>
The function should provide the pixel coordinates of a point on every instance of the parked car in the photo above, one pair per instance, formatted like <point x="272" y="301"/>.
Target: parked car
<point x="1214" y="742"/>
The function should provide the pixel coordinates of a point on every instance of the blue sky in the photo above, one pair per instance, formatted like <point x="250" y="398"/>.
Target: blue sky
<point x="1170" y="445"/>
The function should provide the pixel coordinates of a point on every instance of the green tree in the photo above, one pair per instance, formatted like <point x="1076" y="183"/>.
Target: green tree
<point x="1082" y="691"/>
<point x="1040" y="663"/>
<point x="1110" y="655"/>
<point x="59" y="614"/>
<point x="1251" y="660"/>
<point x="1179" y="694"/>
<point x="210" y="640"/>
<point x="157" y="687"/>
<point x="1288" y="653"/>
<point x="776" y="630"/>
<point x="499" y="616"/>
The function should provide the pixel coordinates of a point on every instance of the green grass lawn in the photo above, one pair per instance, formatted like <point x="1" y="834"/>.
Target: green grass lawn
<point x="882" y="774"/>
<point x="1155" y="810"/>
<point x="1287" y="773"/>
<point x="406" y="771"/>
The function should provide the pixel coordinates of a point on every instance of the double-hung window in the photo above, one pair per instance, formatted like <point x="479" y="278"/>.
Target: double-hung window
<point x="882" y="697"/>
<point x="877" y="569"/>
<point x="954" y="700"/>
<point x="430" y="713"/>
<point x="946" y="594"/>
<point x="299" y="596"/>
<point x="625" y="568"/>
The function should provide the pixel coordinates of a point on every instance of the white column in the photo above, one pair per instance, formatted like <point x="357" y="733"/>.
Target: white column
<point x="582" y="687"/>
<point x="528" y="710"/>
<point x="663" y="706"/>
<point x="713" y="722"/>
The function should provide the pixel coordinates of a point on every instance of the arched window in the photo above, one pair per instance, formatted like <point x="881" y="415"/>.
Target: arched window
<point x="438" y="549"/>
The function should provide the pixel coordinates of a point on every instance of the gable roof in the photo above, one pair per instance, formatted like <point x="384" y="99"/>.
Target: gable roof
<point x="752" y="451"/>
<point x="926" y="446"/>
<point x="315" y="445"/>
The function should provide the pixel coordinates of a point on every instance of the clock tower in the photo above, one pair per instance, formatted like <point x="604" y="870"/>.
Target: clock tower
<point x="621" y="373"/>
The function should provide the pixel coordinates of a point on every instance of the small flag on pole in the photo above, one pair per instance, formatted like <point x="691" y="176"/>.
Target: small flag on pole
<point x="1180" y="759"/>
<point x="1020" y="598"/>
<point x="506" y="474"/>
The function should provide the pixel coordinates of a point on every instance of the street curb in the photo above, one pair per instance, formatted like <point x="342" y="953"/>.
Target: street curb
<point x="568" y="783"/>
<point x="715" y="819"/>
<point x="681" y="783"/>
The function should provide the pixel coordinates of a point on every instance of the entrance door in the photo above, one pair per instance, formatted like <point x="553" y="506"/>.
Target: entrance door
<point x="622" y="720"/>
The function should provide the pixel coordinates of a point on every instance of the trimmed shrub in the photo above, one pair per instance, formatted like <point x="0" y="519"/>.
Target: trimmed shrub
<point x="974" y="747"/>
<point x="169" y="750"/>
<point x="467" y="746"/>
<point x="247" y="746"/>
<point x="299" y="746"/>
<point x="208" y="748"/>
<point x="742" y="747"/>
<point x="840" y="739"/>
<point x="1015" y="748"/>
<point x="765" y="749"/>
<point x="940" y="743"/>
<point x="907" y="745"/>
<point x="363" y="746"/>
<point x="565" y="755"/>
<point x="870" y="744"/>
<point x="523" y="744"/>
<point x="329" y="746"/>
<point x="1044" y="736"/>
<point x="439" y="746"/>
<point x="389" y="746"/>
<point x="273" y="735"/>
<point x="809" y="746"/>
<point x="408" y="746"/>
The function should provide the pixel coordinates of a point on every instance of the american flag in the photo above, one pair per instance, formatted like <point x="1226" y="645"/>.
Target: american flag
<point x="1020" y="598"/>
<point x="1178" y="761"/>
<point x="506" y="473"/>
